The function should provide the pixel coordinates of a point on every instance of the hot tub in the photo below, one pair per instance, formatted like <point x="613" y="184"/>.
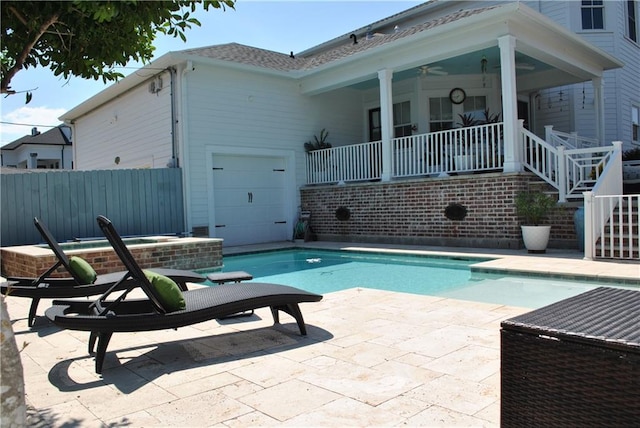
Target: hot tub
<point x="149" y="252"/>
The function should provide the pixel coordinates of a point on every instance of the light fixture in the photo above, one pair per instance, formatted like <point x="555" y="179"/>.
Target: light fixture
<point x="483" y="70"/>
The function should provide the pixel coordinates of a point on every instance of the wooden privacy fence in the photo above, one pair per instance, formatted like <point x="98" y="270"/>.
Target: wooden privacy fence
<point x="138" y="201"/>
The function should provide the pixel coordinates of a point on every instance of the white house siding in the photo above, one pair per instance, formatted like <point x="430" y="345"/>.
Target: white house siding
<point x="237" y="112"/>
<point x="629" y="77"/>
<point x="136" y="128"/>
<point x="621" y="86"/>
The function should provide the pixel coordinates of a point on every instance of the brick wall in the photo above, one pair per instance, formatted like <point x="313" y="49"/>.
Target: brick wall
<point x="412" y="212"/>
<point x="196" y="254"/>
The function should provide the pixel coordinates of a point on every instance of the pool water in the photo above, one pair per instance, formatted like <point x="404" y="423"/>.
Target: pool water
<point x="325" y="271"/>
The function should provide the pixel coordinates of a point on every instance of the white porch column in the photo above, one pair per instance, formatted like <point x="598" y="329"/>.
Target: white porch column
<point x="512" y="151"/>
<point x="32" y="163"/>
<point x="598" y="107"/>
<point x="386" y="120"/>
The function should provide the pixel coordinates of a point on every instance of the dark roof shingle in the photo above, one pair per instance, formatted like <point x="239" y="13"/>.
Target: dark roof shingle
<point x="238" y="53"/>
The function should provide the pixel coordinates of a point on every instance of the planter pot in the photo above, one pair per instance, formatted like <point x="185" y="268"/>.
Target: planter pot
<point x="536" y="238"/>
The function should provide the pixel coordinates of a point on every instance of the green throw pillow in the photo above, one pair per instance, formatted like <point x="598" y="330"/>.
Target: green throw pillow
<point x="167" y="290"/>
<point x="83" y="270"/>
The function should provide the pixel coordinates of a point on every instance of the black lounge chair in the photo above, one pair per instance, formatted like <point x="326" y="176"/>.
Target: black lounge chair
<point x="45" y="287"/>
<point x="104" y="317"/>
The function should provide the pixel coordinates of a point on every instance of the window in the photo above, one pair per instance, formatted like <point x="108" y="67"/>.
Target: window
<point x="474" y="108"/>
<point x="635" y="124"/>
<point x="402" y="119"/>
<point x="592" y="15"/>
<point x="440" y="114"/>
<point x="375" y="127"/>
<point x="632" y="21"/>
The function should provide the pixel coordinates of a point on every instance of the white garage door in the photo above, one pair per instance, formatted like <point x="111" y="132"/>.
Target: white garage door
<point x="249" y="199"/>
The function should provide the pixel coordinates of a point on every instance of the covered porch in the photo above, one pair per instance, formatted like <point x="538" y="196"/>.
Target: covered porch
<point x="464" y="93"/>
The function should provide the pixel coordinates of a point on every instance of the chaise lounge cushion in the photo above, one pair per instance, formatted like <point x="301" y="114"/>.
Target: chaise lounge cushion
<point x="168" y="291"/>
<point x="83" y="270"/>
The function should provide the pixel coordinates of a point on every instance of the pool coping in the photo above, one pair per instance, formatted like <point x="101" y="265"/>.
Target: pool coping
<point x="555" y="264"/>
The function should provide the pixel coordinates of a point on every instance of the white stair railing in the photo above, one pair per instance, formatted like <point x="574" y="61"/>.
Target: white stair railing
<point x="584" y="167"/>
<point x="541" y="158"/>
<point x="571" y="171"/>
<point x="569" y="140"/>
<point x="600" y="203"/>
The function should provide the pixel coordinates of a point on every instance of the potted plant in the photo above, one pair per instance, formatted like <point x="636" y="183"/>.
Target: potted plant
<point x="534" y="207"/>
<point x="464" y="160"/>
<point x="318" y="159"/>
<point x="318" y="143"/>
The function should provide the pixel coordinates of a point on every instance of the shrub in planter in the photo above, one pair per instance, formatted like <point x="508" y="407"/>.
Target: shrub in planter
<point x="534" y="207"/>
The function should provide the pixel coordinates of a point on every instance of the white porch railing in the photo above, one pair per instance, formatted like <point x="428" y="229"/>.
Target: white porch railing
<point x="358" y="162"/>
<point x="606" y="209"/>
<point x="462" y="150"/>
<point x="569" y="140"/>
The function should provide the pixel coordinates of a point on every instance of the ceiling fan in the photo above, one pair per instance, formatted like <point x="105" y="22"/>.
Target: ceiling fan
<point x="426" y="69"/>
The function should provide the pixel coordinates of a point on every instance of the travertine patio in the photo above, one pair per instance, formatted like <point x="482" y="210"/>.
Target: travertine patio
<point x="372" y="358"/>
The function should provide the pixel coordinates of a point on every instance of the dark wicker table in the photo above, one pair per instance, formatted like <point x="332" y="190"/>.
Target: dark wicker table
<point x="573" y="363"/>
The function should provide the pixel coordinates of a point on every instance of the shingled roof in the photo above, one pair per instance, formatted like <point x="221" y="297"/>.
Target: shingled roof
<point x="242" y="54"/>
<point x="52" y="137"/>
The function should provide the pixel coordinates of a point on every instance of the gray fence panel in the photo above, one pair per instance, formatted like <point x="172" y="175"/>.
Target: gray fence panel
<point x="139" y="202"/>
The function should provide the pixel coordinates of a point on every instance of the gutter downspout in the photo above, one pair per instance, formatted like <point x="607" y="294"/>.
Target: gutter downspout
<point x="72" y="127"/>
<point x="181" y="137"/>
<point x="175" y="161"/>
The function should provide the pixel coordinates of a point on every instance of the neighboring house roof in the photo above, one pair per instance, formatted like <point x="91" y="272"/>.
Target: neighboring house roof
<point x="53" y="137"/>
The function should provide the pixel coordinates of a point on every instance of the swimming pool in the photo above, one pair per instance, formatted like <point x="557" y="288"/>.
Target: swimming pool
<point x="325" y="271"/>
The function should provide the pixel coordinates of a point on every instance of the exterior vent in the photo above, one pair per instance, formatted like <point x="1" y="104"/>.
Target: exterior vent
<point x="200" y="231"/>
<point x="155" y="85"/>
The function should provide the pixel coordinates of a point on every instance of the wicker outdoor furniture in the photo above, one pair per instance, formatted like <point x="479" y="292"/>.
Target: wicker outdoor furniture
<point x="104" y="317"/>
<point x="73" y="285"/>
<point x="575" y="363"/>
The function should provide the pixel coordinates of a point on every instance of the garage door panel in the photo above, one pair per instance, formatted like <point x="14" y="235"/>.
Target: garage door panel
<point x="249" y="199"/>
<point x="232" y="197"/>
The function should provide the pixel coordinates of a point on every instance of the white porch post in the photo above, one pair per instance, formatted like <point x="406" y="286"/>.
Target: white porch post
<point x="598" y="106"/>
<point x="589" y="250"/>
<point x="386" y="120"/>
<point x="512" y="151"/>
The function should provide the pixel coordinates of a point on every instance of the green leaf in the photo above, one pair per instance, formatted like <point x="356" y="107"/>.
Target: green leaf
<point x="87" y="37"/>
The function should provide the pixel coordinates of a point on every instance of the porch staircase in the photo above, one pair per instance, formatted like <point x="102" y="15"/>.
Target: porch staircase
<point x="621" y="241"/>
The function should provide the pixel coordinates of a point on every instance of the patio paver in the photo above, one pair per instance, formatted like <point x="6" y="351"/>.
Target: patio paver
<point x="372" y="358"/>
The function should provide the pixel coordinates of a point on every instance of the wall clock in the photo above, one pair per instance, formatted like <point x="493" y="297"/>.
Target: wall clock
<point x="457" y="95"/>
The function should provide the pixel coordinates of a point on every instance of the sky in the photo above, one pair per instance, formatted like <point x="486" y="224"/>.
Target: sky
<point x="281" y="26"/>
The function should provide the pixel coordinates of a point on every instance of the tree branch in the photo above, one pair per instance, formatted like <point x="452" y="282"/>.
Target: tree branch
<point x="4" y="85"/>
